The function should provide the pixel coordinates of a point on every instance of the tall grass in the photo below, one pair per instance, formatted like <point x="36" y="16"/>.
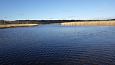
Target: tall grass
<point x="90" y="23"/>
<point x="16" y="25"/>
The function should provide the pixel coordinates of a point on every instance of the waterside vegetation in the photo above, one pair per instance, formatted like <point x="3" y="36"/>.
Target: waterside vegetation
<point x="26" y="23"/>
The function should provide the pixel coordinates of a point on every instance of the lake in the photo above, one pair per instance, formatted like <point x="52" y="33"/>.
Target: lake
<point x="53" y="44"/>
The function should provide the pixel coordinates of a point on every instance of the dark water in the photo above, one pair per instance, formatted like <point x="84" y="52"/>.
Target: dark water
<point x="58" y="45"/>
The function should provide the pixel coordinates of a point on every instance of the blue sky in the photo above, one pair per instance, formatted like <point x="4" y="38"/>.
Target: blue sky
<point x="57" y="9"/>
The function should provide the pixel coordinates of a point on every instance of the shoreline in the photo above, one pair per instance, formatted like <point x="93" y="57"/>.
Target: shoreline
<point x="78" y="23"/>
<point x="16" y="25"/>
<point x="89" y="23"/>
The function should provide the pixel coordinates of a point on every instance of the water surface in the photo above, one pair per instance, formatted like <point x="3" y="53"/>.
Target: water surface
<point x="58" y="45"/>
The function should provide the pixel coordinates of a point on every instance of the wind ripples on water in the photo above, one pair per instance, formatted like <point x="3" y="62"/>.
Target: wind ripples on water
<point x="58" y="45"/>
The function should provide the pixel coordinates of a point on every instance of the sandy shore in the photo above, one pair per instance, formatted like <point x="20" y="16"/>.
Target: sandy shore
<point x="17" y="25"/>
<point x="90" y="23"/>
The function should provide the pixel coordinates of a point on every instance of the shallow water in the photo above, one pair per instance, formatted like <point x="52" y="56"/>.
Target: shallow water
<point x="58" y="45"/>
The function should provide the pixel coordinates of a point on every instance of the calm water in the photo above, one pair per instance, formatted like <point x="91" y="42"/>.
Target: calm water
<point x="58" y="45"/>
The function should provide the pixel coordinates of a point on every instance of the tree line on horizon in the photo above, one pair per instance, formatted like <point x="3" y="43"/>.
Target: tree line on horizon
<point x="44" y="21"/>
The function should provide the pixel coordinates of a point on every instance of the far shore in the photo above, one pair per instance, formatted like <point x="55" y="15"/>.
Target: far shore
<point x="16" y="25"/>
<point x="89" y="23"/>
<point x="75" y="23"/>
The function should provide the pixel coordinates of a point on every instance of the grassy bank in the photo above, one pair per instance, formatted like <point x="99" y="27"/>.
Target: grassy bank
<point x="16" y="25"/>
<point x="90" y="23"/>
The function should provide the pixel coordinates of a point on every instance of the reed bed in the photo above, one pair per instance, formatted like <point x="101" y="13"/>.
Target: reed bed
<point x="16" y="25"/>
<point x="90" y="23"/>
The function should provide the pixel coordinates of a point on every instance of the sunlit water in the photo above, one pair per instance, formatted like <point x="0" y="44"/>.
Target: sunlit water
<point x="58" y="45"/>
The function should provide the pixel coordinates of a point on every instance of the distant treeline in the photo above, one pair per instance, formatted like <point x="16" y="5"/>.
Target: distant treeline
<point x="44" y="21"/>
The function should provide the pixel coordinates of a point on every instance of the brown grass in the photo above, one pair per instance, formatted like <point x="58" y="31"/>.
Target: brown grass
<point x="17" y="25"/>
<point x="90" y="23"/>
